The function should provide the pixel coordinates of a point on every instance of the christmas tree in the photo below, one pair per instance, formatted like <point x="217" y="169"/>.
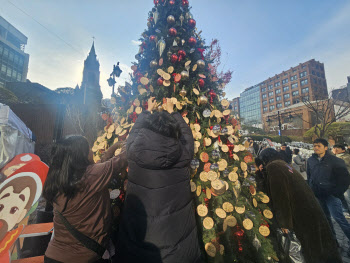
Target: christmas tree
<point x="174" y="62"/>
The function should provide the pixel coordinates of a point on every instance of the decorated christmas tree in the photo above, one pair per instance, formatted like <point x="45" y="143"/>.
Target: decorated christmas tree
<point x="174" y="62"/>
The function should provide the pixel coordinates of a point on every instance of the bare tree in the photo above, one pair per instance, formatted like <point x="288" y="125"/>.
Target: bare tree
<point x="326" y="109"/>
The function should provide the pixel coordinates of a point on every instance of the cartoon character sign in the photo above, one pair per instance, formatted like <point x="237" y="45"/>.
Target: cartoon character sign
<point x="18" y="193"/>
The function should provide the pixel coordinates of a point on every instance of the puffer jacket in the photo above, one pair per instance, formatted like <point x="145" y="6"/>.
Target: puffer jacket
<point x="158" y="222"/>
<point x="327" y="176"/>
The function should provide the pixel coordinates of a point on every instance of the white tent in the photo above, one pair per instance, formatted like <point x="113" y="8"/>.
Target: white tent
<point x="15" y="136"/>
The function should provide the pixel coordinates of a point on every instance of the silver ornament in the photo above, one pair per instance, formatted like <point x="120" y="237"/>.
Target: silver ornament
<point x="155" y="16"/>
<point x="183" y="92"/>
<point x="216" y="129"/>
<point x="201" y="63"/>
<point x="183" y="41"/>
<point x="158" y="31"/>
<point x="192" y="50"/>
<point x="194" y="164"/>
<point x="215" y="154"/>
<point x="224" y="131"/>
<point x="185" y="75"/>
<point x="174" y="43"/>
<point x="181" y="19"/>
<point x="206" y="113"/>
<point x="215" y="166"/>
<point x="171" y="20"/>
<point x="161" y="46"/>
<point x="153" y="63"/>
<point x="256" y="243"/>
<point x="226" y="172"/>
<point x="169" y="53"/>
<point x="188" y="15"/>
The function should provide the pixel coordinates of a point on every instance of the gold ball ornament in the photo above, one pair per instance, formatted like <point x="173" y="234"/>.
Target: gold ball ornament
<point x="153" y="63"/>
<point x="183" y="92"/>
<point x="203" y="100"/>
<point x="201" y="63"/>
<point x="171" y="20"/>
<point x="185" y="75"/>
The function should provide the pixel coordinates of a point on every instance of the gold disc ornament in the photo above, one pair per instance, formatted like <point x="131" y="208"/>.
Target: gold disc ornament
<point x="264" y="231"/>
<point x="202" y="210"/>
<point x="193" y="187"/>
<point x="255" y="203"/>
<point x="218" y="187"/>
<point x="248" y="224"/>
<point x="210" y="249"/>
<point x="203" y="176"/>
<point x="228" y="207"/>
<point x="199" y="190"/>
<point x="212" y="176"/>
<point x="233" y="177"/>
<point x="268" y="214"/>
<point x="231" y="221"/>
<point x="220" y="213"/>
<point x="208" y="223"/>
<point x="240" y="209"/>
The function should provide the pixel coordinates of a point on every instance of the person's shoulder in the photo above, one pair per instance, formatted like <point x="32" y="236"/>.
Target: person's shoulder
<point x="97" y="168"/>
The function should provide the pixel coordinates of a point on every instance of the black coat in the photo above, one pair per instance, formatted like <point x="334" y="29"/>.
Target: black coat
<point x="328" y="176"/>
<point x="296" y="208"/>
<point x="158" y="222"/>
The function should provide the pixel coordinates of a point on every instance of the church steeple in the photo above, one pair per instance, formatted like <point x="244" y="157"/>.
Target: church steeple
<point x="91" y="79"/>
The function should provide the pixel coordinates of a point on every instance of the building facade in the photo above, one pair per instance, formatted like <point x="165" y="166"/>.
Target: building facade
<point x="286" y="92"/>
<point x="235" y="105"/>
<point x="250" y="106"/>
<point x="13" y="59"/>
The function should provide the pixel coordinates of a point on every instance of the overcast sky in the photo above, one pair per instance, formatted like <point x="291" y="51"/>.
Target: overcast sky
<point x="258" y="38"/>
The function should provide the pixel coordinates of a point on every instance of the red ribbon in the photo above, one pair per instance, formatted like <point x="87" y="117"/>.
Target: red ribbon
<point x="133" y="116"/>
<point x="201" y="50"/>
<point x="230" y="148"/>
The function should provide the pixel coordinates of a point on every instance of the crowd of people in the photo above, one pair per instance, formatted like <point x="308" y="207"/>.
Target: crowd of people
<point x="162" y="228"/>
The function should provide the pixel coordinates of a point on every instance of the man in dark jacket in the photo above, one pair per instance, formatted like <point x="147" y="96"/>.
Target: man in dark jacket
<point x="286" y="153"/>
<point x="158" y="223"/>
<point x="329" y="178"/>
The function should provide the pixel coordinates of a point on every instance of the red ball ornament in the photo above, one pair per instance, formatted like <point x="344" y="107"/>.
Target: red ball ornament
<point x="152" y="38"/>
<point x="192" y="41"/>
<point x="174" y="58"/>
<point x="185" y="2"/>
<point x="182" y="53"/>
<point x="201" y="83"/>
<point x="240" y="249"/>
<point x="171" y="2"/>
<point x="192" y="23"/>
<point x="156" y="2"/>
<point x="172" y="32"/>
<point x="160" y="81"/>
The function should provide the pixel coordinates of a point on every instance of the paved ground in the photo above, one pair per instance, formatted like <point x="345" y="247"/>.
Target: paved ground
<point x="343" y="242"/>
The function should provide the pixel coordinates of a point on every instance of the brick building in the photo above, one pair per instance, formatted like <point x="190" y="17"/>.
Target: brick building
<point x="235" y="105"/>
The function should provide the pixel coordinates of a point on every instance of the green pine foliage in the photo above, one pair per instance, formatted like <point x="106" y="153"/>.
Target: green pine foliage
<point x="220" y="243"/>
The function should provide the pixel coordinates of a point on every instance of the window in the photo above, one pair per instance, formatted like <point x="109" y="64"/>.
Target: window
<point x="3" y="68"/>
<point x="279" y="105"/>
<point x="278" y="98"/>
<point x="313" y="72"/>
<point x="272" y="107"/>
<point x="263" y="89"/>
<point x="285" y="73"/>
<point x="270" y="87"/>
<point x="14" y="74"/>
<point x="1" y="49"/>
<point x="271" y="100"/>
<point x="21" y="61"/>
<point x="270" y="94"/>
<point x="265" y="102"/>
<point x="11" y="56"/>
<point x="305" y="90"/>
<point x="278" y="91"/>
<point x="323" y="75"/>
<point x="6" y="52"/>
<point x="303" y="74"/>
<point x="265" y="109"/>
<point x="315" y="81"/>
<point x="293" y="77"/>
<point x="264" y="96"/>
<point x="294" y="69"/>
<point x="286" y="96"/>
<point x="277" y="84"/>
<point x="295" y="101"/>
<point x="294" y="85"/>
<point x="285" y="81"/>
<point x="304" y="66"/>
<point x="286" y="88"/>
<point x="19" y="77"/>
<point x="287" y="103"/>
<point x="295" y="93"/>
<point x="306" y="98"/>
<point x="9" y="72"/>
<point x="304" y="82"/>
<point x="318" y="74"/>
<point x="16" y="59"/>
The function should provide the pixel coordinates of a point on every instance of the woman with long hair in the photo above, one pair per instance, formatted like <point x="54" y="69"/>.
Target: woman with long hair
<point x="296" y="208"/>
<point x="78" y="190"/>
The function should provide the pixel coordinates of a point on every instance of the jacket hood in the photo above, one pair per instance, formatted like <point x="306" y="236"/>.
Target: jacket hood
<point x="154" y="151"/>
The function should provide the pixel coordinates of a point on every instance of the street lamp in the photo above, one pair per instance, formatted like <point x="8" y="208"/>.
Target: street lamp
<point x="290" y="117"/>
<point x="115" y="73"/>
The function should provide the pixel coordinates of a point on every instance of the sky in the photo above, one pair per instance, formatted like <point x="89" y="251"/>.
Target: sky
<point x="259" y="38"/>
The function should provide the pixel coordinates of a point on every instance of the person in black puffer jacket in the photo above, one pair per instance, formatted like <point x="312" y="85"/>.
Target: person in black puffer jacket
<point x="158" y="222"/>
<point x="329" y="178"/>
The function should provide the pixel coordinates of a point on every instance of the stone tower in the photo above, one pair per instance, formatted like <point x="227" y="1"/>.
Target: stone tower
<point x="90" y="85"/>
